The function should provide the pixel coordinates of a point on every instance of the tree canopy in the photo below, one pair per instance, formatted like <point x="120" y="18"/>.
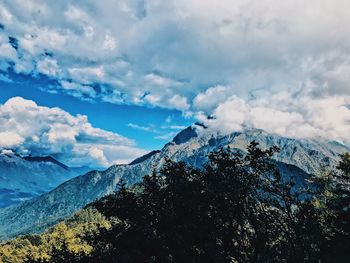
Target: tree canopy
<point x="238" y="208"/>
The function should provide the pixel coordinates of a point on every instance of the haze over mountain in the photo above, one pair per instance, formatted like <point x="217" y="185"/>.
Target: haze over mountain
<point x="22" y="178"/>
<point x="296" y="158"/>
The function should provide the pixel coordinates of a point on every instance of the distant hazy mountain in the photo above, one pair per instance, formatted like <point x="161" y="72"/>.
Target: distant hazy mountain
<point x="22" y="178"/>
<point x="192" y="145"/>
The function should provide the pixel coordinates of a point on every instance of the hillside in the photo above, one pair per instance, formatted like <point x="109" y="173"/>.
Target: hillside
<point x="237" y="208"/>
<point x="191" y="146"/>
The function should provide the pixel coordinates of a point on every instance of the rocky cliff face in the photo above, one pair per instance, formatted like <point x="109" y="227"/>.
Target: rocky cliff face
<point x="300" y="157"/>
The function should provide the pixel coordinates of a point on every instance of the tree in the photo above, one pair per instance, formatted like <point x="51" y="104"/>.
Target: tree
<point x="239" y="207"/>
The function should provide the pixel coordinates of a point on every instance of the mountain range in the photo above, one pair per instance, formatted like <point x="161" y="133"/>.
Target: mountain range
<point x="297" y="158"/>
<point x="25" y="177"/>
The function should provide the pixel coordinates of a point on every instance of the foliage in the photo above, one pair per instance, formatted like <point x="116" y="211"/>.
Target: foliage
<point x="60" y="244"/>
<point x="239" y="208"/>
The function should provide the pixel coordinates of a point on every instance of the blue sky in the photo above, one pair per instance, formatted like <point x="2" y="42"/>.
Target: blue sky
<point x="141" y="70"/>
<point x="107" y="116"/>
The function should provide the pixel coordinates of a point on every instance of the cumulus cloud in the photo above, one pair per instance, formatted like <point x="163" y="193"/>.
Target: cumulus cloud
<point x="292" y="115"/>
<point x="211" y="98"/>
<point x="190" y="55"/>
<point x="30" y="129"/>
<point x="48" y="67"/>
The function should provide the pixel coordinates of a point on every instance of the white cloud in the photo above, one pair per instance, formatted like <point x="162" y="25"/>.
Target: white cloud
<point x="165" y="133"/>
<point x="142" y="128"/>
<point x="10" y="139"/>
<point x="292" y="115"/>
<point x="190" y="55"/>
<point x="32" y="129"/>
<point x="175" y="127"/>
<point x="5" y="15"/>
<point x="77" y="15"/>
<point x="78" y="90"/>
<point x="48" y="67"/>
<point x="7" y="52"/>
<point x="87" y="75"/>
<point x="209" y="99"/>
<point x="154" y="79"/>
<point x="178" y="102"/>
<point x="166" y="137"/>
<point x="109" y="43"/>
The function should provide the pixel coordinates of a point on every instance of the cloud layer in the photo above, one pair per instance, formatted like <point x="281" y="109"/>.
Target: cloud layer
<point x="293" y="115"/>
<point x="226" y="58"/>
<point x="34" y="130"/>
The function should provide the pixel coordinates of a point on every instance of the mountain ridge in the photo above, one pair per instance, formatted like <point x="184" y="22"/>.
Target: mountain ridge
<point x="25" y="177"/>
<point x="47" y="158"/>
<point x="35" y="215"/>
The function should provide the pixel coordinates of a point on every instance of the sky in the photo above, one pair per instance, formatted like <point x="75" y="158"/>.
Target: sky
<point x="107" y="81"/>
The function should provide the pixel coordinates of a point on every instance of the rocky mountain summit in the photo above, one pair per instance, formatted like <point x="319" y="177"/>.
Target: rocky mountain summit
<point x="192" y="145"/>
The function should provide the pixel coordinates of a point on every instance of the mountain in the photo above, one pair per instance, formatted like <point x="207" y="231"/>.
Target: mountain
<point x="22" y="178"/>
<point x="192" y="145"/>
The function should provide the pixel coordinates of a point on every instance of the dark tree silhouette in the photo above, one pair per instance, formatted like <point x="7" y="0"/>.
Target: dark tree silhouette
<point x="238" y="208"/>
